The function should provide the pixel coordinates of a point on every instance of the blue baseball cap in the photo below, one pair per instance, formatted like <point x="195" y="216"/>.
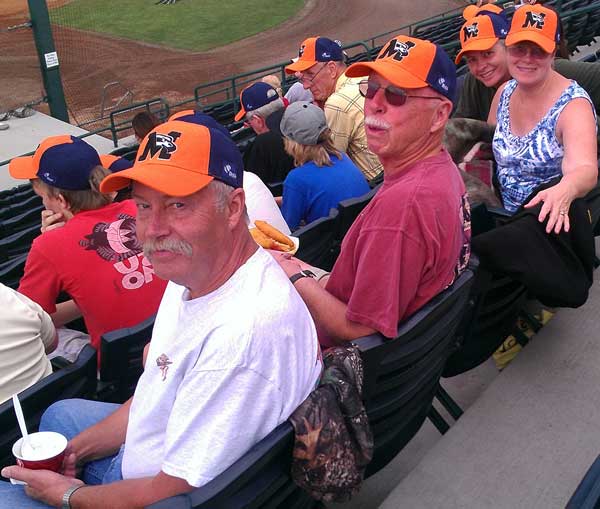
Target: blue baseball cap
<point x="60" y="161"/>
<point x="255" y="96"/>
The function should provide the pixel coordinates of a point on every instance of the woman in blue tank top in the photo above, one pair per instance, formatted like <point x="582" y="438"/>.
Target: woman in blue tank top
<point x="323" y="176"/>
<point x="545" y="123"/>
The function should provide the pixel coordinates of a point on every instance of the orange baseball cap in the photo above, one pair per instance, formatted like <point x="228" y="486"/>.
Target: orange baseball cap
<point x="59" y="161"/>
<point x="470" y="11"/>
<point x="537" y="24"/>
<point x="313" y="50"/>
<point x="180" y="158"/>
<point x="481" y="33"/>
<point x="408" y="62"/>
<point x="115" y="163"/>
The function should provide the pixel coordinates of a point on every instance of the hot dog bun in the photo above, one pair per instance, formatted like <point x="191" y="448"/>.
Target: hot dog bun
<point x="261" y="239"/>
<point x="270" y="237"/>
<point x="274" y="233"/>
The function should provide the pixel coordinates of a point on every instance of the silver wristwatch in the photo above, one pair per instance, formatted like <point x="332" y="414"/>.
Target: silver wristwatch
<point x="66" y="499"/>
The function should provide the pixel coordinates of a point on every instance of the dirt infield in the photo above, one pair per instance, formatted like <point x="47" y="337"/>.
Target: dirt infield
<point x="152" y="71"/>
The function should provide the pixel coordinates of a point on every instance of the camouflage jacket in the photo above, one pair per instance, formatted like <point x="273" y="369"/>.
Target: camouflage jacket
<point x="333" y="443"/>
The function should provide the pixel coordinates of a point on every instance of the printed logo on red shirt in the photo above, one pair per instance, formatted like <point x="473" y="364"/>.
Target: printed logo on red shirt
<point x="117" y="242"/>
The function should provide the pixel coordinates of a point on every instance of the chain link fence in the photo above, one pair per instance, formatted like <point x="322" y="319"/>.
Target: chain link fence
<point x="21" y="84"/>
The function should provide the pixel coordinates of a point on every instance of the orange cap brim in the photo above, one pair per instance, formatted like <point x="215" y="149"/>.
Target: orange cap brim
<point x="299" y="66"/>
<point x="390" y="71"/>
<point x="546" y="44"/>
<point x="170" y="180"/>
<point x="240" y="114"/>
<point x="22" y="168"/>
<point x="481" y="44"/>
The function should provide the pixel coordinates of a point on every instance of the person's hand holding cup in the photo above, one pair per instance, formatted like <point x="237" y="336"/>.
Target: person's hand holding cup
<point x="41" y="451"/>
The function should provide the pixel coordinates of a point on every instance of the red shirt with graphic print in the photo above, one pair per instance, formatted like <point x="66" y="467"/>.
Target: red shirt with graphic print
<point x="97" y="259"/>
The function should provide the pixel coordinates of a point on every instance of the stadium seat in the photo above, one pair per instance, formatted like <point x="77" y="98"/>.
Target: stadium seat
<point x="276" y="188"/>
<point x="121" y="360"/>
<point x="317" y="240"/>
<point x="348" y="211"/>
<point x="17" y="197"/>
<point x="18" y="243"/>
<point x="18" y="207"/>
<point x="259" y="479"/>
<point x="77" y="380"/>
<point x="21" y="221"/>
<point x="401" y="375"/>
<point x="15" y="190"/>
<point x="11" y="271"/>
<point x="123" y="151"/>
<point x="587" y="494"/>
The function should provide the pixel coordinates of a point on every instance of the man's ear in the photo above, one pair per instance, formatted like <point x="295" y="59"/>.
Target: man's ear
<point x="261" y="121"/>
<point x="441" y="116"/>
<point x="236" y="207"/>
<point x="332" y="69"/>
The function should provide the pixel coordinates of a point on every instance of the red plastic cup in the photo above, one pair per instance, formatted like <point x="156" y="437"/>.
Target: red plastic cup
<point x="50" y="448"/>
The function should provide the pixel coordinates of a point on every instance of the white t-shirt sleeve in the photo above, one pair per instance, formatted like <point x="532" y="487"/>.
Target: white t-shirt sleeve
<point x="207" y="432"/>
<point x="261" y="204"/>
<point x="47" y="330"/>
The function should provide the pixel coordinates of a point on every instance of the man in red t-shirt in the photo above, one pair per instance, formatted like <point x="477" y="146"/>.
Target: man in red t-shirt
<point x="95" y="257"/>
<point x="413" y="238"/>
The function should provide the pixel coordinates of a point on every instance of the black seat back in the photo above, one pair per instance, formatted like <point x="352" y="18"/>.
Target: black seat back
<point x="11" y="271"/>
<point x="21" y="221"/>
<point x="401" y="375"/>
<point x="121" y="360"/>
<point x="18" y="243"/>
<point x="259" y="479"/>
<point x="77" y="380"/>
<point x="587" y="494"/>
<point x="317" y="241"/>
<point x="348" y="211"/>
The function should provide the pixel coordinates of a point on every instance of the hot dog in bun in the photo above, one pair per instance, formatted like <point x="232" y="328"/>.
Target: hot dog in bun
<point x="270" y="237"/>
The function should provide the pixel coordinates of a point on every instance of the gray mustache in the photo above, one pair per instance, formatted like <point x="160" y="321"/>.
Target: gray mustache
<point x="172" y="245"/>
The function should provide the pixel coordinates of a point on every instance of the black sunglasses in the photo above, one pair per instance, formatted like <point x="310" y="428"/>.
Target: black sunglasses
<point x="393" y="95"/>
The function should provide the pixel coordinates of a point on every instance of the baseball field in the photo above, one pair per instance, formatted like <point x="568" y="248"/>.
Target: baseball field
<point x="187" y="24"/>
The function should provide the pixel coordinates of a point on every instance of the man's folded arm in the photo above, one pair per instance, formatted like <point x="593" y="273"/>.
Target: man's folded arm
<point x="131" y="493"/>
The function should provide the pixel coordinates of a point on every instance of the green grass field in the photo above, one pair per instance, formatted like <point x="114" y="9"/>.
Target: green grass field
<point x="189" y="24"/>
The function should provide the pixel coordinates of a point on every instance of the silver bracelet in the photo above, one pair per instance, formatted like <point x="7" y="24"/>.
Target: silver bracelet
<point x="66" y="499"/>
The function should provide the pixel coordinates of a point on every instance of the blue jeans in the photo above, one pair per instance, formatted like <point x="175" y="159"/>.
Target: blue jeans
<point x="70" y="417"/>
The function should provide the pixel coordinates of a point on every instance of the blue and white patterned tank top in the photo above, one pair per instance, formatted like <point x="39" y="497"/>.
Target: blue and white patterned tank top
<point x="525" y="162"/>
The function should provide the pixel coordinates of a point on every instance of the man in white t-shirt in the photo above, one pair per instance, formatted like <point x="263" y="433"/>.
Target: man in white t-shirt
<point x="233" y="351"/>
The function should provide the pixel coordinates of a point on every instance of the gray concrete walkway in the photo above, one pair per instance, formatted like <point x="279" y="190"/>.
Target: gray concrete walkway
<point x="530" y="436"/>
<point x="25" y="134"/>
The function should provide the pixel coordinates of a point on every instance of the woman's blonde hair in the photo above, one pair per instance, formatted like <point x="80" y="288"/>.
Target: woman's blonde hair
<point x="320" y="154"/>
<point x="85" y="199"/>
